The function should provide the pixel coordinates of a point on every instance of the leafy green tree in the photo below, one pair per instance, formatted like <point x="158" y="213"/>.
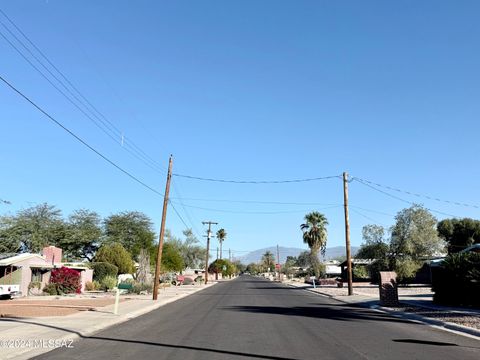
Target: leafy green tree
<point x="268" y="262"/>
<point x="222" y="266"/>
<point x="459" y="233"/>
<point x="290" y="263"/>
<point x="414" y="239"/>
<point x="9" y="243"/>
<point x="221" y="235"/>
<point x="34" y="228"/>
<point x="171" y="258"/>
<point x="374" y="245"/>
<point x="117" y="255"/>
<point x="239" y="266"/>
<point x="415" y="235"/>
<point x="192" y="253"/>
<point x="132" y="229"/>
<point x="253" y="268"/>
<point x="83" y="235"/>
<point x="304" y="260"/>
<point x="315" y="236"/>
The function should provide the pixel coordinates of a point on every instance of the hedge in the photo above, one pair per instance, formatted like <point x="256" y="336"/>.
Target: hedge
<point x="457" y="280"/>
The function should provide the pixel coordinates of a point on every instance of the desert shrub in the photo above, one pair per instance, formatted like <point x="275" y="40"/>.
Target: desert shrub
<point x="102" y="269"/>
<point x="90" y="286"/>
<point x="139" y="287"/>
<point x="457" y="280"/>
<point x="375" y="268"/>
<point x="360" y="272"/>
<point x="108" y="282"/>
<point x="50" y="289"/>
<point x="406" y="269"/>
<point x="66" y="280"/>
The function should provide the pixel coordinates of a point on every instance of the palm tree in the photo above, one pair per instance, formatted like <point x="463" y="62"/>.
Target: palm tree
<point x="315" y="236"/>
<point x="268" y="261"/>
<point x="221" y="235"/>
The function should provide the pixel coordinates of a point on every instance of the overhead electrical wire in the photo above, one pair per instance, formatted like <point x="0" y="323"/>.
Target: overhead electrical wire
<point x="79" y="139"/>
<point x="94" y="115"/>
<point x="415" y="194"/>
<point x="256" y="212"/>
<point x="403" y="200"/>
<point x="255" y="181"/>
<point x="256" y="202"/>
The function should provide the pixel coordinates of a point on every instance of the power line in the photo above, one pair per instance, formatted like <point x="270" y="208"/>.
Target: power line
<point x="257" y="212"/>
<point x="416" y="194"/>
<point x="257" y="202"/>
<point x="101" y="122"/>
<point x="367" y="217"/>
<point x="76" y="137"/>
<point x="256" y="181"/>
<point x="400" y="199"/>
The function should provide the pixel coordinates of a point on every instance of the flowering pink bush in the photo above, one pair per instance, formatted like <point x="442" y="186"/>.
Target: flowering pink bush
<point x="66" y="280"/>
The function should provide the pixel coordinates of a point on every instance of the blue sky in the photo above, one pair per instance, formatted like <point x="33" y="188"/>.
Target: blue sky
<point x="250" y="90"/>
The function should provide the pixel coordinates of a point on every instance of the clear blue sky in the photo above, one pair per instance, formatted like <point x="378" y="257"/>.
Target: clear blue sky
<point x="247" y="90"/>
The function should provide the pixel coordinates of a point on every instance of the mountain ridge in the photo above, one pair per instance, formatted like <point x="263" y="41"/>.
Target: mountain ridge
<point x="256" y="255"/>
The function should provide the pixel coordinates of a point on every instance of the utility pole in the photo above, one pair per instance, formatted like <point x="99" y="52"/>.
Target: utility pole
<point x="347" y="233"/>
<point x="278" y="262"/>
<point x="229" y="255"/>
<point x="162" y="231"/>
<point x="209" y="235"/>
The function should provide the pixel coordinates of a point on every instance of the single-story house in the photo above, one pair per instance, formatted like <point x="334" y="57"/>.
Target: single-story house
<point x="26" y="268"/>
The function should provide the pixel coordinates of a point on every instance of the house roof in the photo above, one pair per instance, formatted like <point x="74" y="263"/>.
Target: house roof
<point x="12" y="259"/>
<point x="358" y="262"/>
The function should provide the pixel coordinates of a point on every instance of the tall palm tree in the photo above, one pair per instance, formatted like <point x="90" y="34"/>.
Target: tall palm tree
<point x="268" y="261"/>
<point x="315" y="236"/>
<point x="221" y="235"/>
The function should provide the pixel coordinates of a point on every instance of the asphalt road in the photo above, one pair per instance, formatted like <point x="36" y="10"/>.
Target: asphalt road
<point x="251" y="318"/>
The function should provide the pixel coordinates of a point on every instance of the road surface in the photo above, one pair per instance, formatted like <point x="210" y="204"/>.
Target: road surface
<point x="252" y="318"/>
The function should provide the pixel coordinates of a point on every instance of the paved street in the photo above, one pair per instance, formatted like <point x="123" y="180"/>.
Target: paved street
<point x="257" y="319"/>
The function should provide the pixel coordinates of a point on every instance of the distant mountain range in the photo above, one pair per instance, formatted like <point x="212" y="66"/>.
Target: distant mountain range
<point x="256" y="255"/>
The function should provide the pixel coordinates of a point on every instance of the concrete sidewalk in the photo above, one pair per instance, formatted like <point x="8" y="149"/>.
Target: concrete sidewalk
<point x="373" y="302"/>
<point x="24" y="338"/>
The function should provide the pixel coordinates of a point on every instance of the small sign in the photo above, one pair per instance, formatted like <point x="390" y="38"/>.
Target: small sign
<point x="277" y="266"/>
<point x="224" y="268"/>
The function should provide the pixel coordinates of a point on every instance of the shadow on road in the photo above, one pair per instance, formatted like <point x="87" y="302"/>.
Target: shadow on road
<point x="140" y="342"/>
<point x="423" y="342"/>
<point x="331" y="312"/>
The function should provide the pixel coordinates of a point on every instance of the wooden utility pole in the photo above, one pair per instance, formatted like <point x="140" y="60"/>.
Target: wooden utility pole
<point x="229" y="255"/>
<point x="347" y="233"/>
<point x="209" y="235"/>
<point x="162" y="231"/>
<point x="278" y="262"/>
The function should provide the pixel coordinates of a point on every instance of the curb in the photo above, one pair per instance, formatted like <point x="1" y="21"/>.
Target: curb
<point x="442" y="325"/>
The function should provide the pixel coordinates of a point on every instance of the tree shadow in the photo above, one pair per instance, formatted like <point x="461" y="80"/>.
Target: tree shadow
<point x="424" y="342"/>
<point x="149" y="343"/>
<point x="330" y="312"/>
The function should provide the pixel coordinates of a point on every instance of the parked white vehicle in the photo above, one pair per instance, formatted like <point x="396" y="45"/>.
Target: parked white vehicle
<point x="7" y="291"/>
